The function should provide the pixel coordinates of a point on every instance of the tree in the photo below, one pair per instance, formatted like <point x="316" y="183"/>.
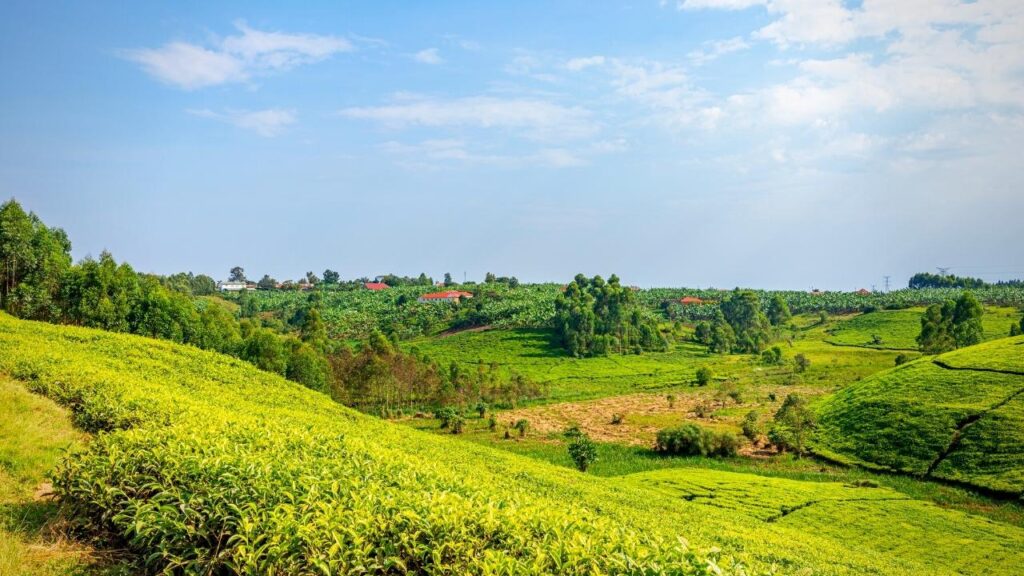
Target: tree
<point x="742" y="310"/>
<point x="936" y="328"/>
<point x="203" y="285"/>
<point x="513" y="282"/>
<point x="793" y="424"/>
<point x="951" y="325"/>
<point x="313" y="331"/>
<point x="778" y="311"/>
<point x="489" y="278"/>
<point x="595" y="318"/>
<point x="448" y="279"/>
<point x="312" y="279"/>
<point x="722" y="339"/>
<point x="967" y="328"/>
<point x="237" y="274"/>
<point x="1017" y="329"/>
<point x="331" y="277"/>
<point x="704" y="376"/>
<point x="583" y="452"/>
<point x="266" y="283"/>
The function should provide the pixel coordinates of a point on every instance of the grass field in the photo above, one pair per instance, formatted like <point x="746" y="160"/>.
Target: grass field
<point x="532" y="354"/>
<point x="925" y="418"/>
<point x="209" y="464"/>
<point x="34" y="432"/>
<point x="898" y="329"/>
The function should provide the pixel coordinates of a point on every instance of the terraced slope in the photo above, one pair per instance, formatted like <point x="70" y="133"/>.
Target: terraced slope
<point x="203" y="464"/>
<point x="958" y="416"/>
<point x="877" y="518"/>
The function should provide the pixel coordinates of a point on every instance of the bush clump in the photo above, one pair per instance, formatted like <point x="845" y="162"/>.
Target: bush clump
<point x="693" y="440"/>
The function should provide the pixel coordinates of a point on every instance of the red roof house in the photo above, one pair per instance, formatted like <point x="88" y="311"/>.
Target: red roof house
<point x="375" y="286"/>
<point x="446" y="296"/>
<point x="864" y="292"/>
<point x="688" y="300"/>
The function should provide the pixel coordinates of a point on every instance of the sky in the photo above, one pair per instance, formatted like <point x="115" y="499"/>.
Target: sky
<point x="764" y="143"/>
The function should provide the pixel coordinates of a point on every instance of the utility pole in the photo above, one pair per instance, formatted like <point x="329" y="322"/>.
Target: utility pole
<point x="886" y="283"/>
<point x="942" y="271"/>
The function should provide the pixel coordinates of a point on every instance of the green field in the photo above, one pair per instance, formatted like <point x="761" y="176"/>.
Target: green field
<point x="879" y="518"/>
<point x="898" y="329"/>
<point x="201" y="446"/>
<point x="532" y="354"/>
<point x="34" y="433"/>
<point x="964" y="423"/>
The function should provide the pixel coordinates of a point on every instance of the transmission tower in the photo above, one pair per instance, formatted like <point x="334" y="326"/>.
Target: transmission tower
<point x="886" y="283"/>
<point x="942" y="271"/>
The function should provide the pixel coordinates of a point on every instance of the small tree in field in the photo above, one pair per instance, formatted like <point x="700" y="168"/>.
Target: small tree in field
<point x="704" y="376"/>
<point x="801" y="363"/>
<point x="793" y="424"/>
<point x="583" y="452"/>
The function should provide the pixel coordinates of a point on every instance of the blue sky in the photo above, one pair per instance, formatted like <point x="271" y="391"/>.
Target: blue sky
<point x="768" y="143"/>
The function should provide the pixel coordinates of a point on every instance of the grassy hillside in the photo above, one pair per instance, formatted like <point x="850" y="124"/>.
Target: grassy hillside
<point x="34" y="432"/>
<point x="208" y="463"/>
<point x="532" y="354"/>
<point x="954" y="416"/>
<point x="898" y="329"/>
<point x="881" y="518"/>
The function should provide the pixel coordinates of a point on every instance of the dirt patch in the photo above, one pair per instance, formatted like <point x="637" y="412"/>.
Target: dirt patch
<point x="44" y="491"/>
<point x="643" y="415"/>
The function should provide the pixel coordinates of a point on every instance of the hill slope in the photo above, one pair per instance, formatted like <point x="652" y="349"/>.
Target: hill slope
<point x="208" y="464"/>
<point x="958" y="416"/>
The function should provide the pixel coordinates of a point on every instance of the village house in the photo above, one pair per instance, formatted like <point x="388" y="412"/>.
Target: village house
<point x="690" y="300"/>
<point x="446" y="296"/>
<point x="231" y="286"/>
<point x="376" y="286"/>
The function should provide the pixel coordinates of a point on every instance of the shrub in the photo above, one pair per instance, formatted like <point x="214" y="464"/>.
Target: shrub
<point x="801" y="363"/>
<point x="793" y="424"/>
<point x="583" y="452"/>
<point x="617" y="419"/>
<point x="457" y="424"/>
<point x="772" y="356"/>
<point x="522" y="426"/>
<point x="902" y="359"/>
<point x="481" y="409"/>
<point x="751" y="426"/>
<point x="693" y="440"/>
<point x="671" y="398"/>
<point x="492" y="423"/>
<point x="572" y="432"/>
<point x="704" y="376"/>
<point x="445" y="415"/>
<point x="702" y="409"/>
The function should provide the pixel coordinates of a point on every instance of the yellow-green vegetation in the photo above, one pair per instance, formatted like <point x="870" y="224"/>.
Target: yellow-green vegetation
<point x="876" y="517"/>
<point x="34" y="432"/>
<point x="208" y="464"/>
<point x="533" y="354"/>
<point x="898" y="329"/>
<point x="958" y="416"/>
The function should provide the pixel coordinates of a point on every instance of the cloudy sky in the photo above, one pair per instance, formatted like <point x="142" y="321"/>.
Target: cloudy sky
<point x="768" y="143"/>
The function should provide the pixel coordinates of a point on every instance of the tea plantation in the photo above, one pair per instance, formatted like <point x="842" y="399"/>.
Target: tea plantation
<point x="958" y="416"/>
<point x="201" y="463"/>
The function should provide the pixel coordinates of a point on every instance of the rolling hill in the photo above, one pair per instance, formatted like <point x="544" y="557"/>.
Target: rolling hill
<point x="957" y="416"/>
<point x="201" y="463"/>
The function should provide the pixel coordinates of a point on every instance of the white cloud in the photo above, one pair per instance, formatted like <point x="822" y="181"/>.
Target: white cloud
<point x="713" y="50"/>
<point x="234" y="58"/>
<point x="268" y="123"/>
<point x="577" y="64"/>
<point x="428" y="56"/>
<point x="718" y="4"/>
<point x="533" y="118"/>
<point x="188" y="66"/>
<point x="809" y="22"/>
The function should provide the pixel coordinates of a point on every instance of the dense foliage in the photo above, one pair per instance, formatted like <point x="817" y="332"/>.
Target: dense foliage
<point x="693" y="440"/>
<point x="953" y="324"/>
<point x="595" y="318"/>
